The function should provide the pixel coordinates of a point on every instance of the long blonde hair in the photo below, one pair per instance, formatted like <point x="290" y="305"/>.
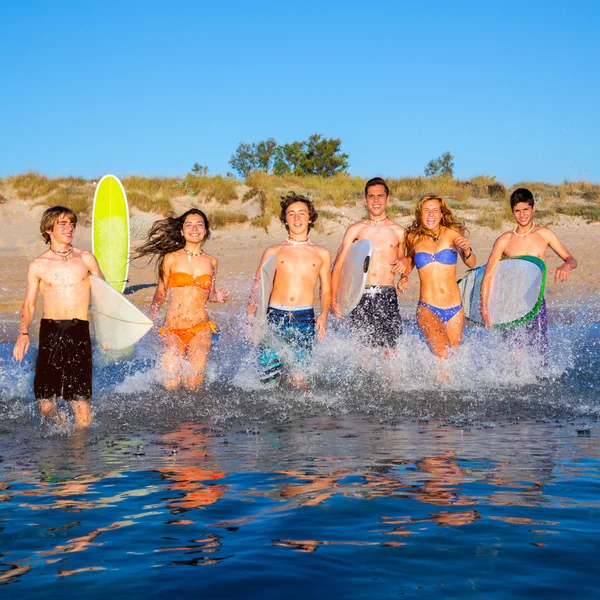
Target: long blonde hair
<point x="417" y="230"/>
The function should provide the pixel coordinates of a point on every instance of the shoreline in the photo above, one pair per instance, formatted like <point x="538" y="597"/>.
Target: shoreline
<point x="239" y="248"/>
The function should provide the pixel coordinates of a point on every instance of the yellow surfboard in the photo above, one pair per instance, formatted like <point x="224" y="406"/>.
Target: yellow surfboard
<point x="110" y="231"/>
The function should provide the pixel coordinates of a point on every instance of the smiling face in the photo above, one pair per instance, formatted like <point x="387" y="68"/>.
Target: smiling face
<point x="297" y="219"/>
<point x="376" y="199"/>
<point x="431" y="214"/>
<point x="194" y="229"/>
<point x="62" y="231"/>
<point x="523" y="213"/>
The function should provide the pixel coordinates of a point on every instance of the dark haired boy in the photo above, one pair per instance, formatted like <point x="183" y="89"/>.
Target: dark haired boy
<point x="301" y="265"/>
<point x="64" y="362"/>
<point x="376" y="319"/>
<point x="526" y="239"/>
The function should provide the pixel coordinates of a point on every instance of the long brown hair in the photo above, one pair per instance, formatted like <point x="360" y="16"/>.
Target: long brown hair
<point x="165" y="237"/>
<point x="417" y="230"/>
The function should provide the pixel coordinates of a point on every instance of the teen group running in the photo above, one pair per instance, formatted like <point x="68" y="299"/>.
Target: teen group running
<point x="433" y="243"/>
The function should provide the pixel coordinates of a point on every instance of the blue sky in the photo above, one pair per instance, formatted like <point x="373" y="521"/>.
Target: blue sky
<point x="149" y="88"/>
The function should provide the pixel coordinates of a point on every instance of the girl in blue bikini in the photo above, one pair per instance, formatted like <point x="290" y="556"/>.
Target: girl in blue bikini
<point x="433" y="244"/>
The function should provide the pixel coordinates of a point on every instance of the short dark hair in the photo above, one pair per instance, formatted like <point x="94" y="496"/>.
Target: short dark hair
<point x="289" y="199"/>
<point x="377" y="181"/>
<point x="51" y="215"/>
<point x="521" y="195"/>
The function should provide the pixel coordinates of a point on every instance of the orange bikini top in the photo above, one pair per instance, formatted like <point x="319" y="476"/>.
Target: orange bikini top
<point x="185" y="279"/>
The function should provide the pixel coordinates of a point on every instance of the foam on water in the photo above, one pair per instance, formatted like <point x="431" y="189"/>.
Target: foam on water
<point x="484" y="378"/>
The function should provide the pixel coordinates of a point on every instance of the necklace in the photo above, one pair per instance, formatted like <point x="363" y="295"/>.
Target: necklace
<point x="526" y="233"/>
<point x="65" y="254"/>
<point x="436" y="236"/>
<point x="297" y="242"/>
<point x="377" y="221"/>
<point x="191" y="254"/>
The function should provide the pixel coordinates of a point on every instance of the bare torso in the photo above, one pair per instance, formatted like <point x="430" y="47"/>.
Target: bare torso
<point x="438" y="280"/>
<point x="64" y="285"/>
<point x="534" y="244"/>
<point x="388" y="246"/>
<point x="298" y="269"/>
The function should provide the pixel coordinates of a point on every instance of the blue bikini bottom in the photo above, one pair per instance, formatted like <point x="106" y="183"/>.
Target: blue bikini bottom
<point x="444" y="314"/>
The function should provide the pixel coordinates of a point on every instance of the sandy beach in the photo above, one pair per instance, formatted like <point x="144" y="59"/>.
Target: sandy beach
<point x="238" y="249"/>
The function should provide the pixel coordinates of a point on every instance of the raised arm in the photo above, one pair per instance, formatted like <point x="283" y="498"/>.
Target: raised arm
<point x="27" y="312"/>
<point x="340" y="259"/>
<point x="492" y="265"/>
<point x="463" y="246"/>
<point x="561" y="273"/>
<point x="325" y="279"/>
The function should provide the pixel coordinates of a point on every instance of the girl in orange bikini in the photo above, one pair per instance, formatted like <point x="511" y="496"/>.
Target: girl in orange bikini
<point x="189" y="274"/>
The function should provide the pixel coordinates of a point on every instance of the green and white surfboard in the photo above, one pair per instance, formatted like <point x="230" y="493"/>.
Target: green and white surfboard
<point x="516" y="293"/>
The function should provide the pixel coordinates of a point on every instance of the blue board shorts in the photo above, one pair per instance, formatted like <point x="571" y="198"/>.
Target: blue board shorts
<point x="290" y="326"/>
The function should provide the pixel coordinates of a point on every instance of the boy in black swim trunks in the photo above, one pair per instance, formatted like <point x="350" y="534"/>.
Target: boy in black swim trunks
<point x="376" y="319"/>
<point x="64" y="362"/>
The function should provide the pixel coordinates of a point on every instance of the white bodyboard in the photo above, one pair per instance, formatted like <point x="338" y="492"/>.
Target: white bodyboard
<point x="354" y="276"/>
<point x="516" y="292"/>
<point x="118" y="324"/>
<point x="267" y="277"/>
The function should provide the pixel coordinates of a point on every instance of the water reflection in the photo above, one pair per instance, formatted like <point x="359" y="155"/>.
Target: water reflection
<point x="199" y="494"/>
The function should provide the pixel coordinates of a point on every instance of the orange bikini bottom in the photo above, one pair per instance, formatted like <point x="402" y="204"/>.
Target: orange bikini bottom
<point x="189" y="333"/>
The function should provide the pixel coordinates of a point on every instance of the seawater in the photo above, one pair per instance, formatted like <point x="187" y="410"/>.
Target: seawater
<point x="379" y="481"/>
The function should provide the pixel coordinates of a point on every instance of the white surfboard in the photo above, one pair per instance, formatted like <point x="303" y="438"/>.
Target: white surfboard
<point x="516" y="292"/>
<point x="118" y="324"/>
<point x="267" y="277"/>
<point x="354" y="276"/>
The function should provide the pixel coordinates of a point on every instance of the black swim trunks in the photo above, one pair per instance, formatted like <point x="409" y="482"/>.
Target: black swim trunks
<point x="376" y="320"/>
<point x="64" y="363"/>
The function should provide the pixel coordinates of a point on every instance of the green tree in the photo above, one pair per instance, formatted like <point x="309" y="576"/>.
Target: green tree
<point x="442" y="165"/>
<point x="244" y="159"/>
<point x="289" y="158"/>
<point x="315" y="156"/>
<point x="265" y="154"/>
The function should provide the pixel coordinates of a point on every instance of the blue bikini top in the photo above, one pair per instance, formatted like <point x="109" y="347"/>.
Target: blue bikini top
<point x="447" y="256"/>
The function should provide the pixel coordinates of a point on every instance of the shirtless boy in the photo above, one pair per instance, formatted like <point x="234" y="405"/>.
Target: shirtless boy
<point x="526" y="239"/>
<point x="301" y="265"/>
<point x="64" y="362"/>
<point x="376" y="318"/>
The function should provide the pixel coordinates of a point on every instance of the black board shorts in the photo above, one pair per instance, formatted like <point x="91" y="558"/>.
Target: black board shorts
<point x="376" y="320"/>
<point x="64" y="362"/>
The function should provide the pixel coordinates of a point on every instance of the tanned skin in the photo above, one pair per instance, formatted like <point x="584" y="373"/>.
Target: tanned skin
<point x="187" y="307"/>
<point x="532" y="241"/>
<point x="299" y="269"/>
<point x="387" y="238"/>
<point x="65" y="289"/>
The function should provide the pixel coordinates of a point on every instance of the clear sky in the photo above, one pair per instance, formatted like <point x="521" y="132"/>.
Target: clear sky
<point x="511" y="88"/>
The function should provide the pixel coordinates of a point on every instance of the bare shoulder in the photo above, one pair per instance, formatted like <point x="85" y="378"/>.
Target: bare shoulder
<point x="86" y="255"/>
<point x="354" y="230"/>
<point x="271" y="251"/>
<point x="37" y="263"/>
<point x="322" y="251"/>
<point x="546" y="232"/>
<point x="504" y="238"/>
